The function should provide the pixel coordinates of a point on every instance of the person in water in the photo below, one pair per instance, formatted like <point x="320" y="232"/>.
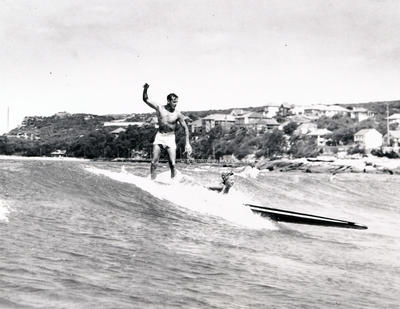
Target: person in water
<point x="168" y="117"/>
<point x="228" y="181"/>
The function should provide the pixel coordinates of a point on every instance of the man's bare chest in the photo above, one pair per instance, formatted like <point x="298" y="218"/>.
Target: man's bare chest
<point x="167" y="116"/>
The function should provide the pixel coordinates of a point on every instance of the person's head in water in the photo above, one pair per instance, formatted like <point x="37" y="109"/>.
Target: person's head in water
<point x="172" y="100"/>
<point x="228" y="180"/>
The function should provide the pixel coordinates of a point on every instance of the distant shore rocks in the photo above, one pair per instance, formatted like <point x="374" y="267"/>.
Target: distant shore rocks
<point x="333" y="166"/>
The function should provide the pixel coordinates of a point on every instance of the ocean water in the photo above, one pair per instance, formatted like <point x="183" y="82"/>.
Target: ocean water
<point x="80" y="234"/>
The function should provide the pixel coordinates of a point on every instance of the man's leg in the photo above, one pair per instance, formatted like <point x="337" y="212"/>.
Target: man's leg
<point x="171" y="160"/>
<point x="154" y="161"/>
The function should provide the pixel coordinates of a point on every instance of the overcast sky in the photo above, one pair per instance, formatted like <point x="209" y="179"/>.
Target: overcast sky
<point x="94" y="56"/>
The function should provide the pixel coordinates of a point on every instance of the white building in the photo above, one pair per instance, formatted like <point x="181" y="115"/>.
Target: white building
<point x="305" y="128"/>
<point x="298" y="109"/>
<point x="117" y="132"/>
<point x="395" y="118"/>
<point x="317" y="111"/>
<point x="248" y="118"/>
<point x="116" y="123"/>
<point x="360" y="113"/>
<point x="237" y="112"/>
<point x="271" y="110"/>
<point x="59" y="153"/>
<point x="368" y="138"/>
<point x="394" y="138"/>
<point x="196" y="126"/>
<point x="321" y="135"/>
<point x="224" y="120"/>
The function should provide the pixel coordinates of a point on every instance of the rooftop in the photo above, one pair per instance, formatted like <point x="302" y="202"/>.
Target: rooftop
<point x="220" y="117"/>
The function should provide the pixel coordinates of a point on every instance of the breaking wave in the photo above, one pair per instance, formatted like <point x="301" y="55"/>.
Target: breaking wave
<point x="185" y="192"/>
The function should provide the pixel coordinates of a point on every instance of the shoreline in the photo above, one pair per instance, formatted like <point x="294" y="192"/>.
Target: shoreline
<point x="331" y="165"/>
<point x="371" y="165"/>
<point x="21" y="158"/>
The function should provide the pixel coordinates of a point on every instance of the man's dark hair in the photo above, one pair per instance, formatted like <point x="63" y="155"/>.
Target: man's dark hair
<point x="171" y="96"/>
<point x="226" y="175"/>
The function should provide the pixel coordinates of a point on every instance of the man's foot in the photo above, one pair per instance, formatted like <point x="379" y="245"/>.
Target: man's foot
<point x="153" y="171"/>
<point x="173" y="173"/>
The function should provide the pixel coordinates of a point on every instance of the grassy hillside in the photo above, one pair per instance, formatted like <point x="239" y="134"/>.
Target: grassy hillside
<point x="62" y="129"/>
<point x="81" y="133"/>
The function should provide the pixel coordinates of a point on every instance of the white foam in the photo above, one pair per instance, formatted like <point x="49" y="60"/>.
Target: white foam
<point x="184" y="192"/>
<point x="4" y="211"/>
<point x="21" y="158"/>
<point x="249" y="172"/>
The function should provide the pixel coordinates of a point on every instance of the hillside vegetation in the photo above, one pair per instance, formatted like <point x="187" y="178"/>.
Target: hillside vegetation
<point x="83" y="135"/>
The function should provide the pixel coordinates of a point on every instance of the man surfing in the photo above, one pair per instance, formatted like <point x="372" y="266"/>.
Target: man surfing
<point x="168" y="117"/>
<point x="228" y="181"/>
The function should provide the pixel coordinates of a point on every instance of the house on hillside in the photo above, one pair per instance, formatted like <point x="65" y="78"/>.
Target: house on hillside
<point x="225" y="121"/>
<point x="333" y="110"/>
<point x="360" y="113"/>
<point x="88" y="117"/>
<point x="116" y="123"/>
<point x="248" y="119"/>
<point x="299" y="119"/>
<point x="368" y="138"/>
<point x="25" y="135"/>
<point x="237" y="112"/>
<point x="312" y="111"/>
<point x="270" y="123"/>
<point x="316" y="111"/>
<point x="298" y="110"/>
<point x="271" y="110"/>
<point x="305" y="128"/>
<point x="321" y="135"/>
<point x="266" y="124"/>
<point x="59" y="153"/>
<point x="117" y="132"/>
<point x="394" y="138"/>
<point x="395" y="118"/>
<point x="285" y="110"/>
<point x="62" y="115"/>
<point x="196" y="126"/>
<point x="256" y="121"/>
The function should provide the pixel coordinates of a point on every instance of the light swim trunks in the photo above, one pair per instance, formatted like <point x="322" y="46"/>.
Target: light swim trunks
<point x="165" y="139"/>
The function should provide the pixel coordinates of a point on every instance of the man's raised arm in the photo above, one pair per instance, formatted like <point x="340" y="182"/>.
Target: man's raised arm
<point x="146" y="97"/>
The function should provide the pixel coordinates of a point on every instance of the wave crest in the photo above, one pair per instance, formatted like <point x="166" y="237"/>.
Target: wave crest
<point x="185" y="192"/>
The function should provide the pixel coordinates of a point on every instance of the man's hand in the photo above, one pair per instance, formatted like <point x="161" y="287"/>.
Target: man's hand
<point x="146" y="85"/>
<point x="188" y="149"/>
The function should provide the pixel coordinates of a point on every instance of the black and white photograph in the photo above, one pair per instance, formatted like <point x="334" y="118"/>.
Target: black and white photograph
<point x="202" y="154"/>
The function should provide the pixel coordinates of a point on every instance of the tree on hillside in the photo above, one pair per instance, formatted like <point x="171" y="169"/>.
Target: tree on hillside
<point x="272" y="144"/>
<point x="204" y="146"/>
<point x="249" y="146"/>
<point x="6" y="147"/>
<point x="137" y="138"/>
<point x="239" y="141"/>
<point x="91" y="146"/>
<point x="343" y="136"/>
<point x="290" y="128"/>
<point x="303" y="146"/>
<point x="335" y="122"/>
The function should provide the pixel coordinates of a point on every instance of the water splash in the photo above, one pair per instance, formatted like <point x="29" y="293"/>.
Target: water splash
<point x="249" y="172"/>
<point x="4" y="211"/>
<point x="185" y="192"/>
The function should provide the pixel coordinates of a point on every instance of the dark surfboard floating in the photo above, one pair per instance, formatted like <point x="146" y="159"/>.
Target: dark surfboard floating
<point x="282" y="215"/>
